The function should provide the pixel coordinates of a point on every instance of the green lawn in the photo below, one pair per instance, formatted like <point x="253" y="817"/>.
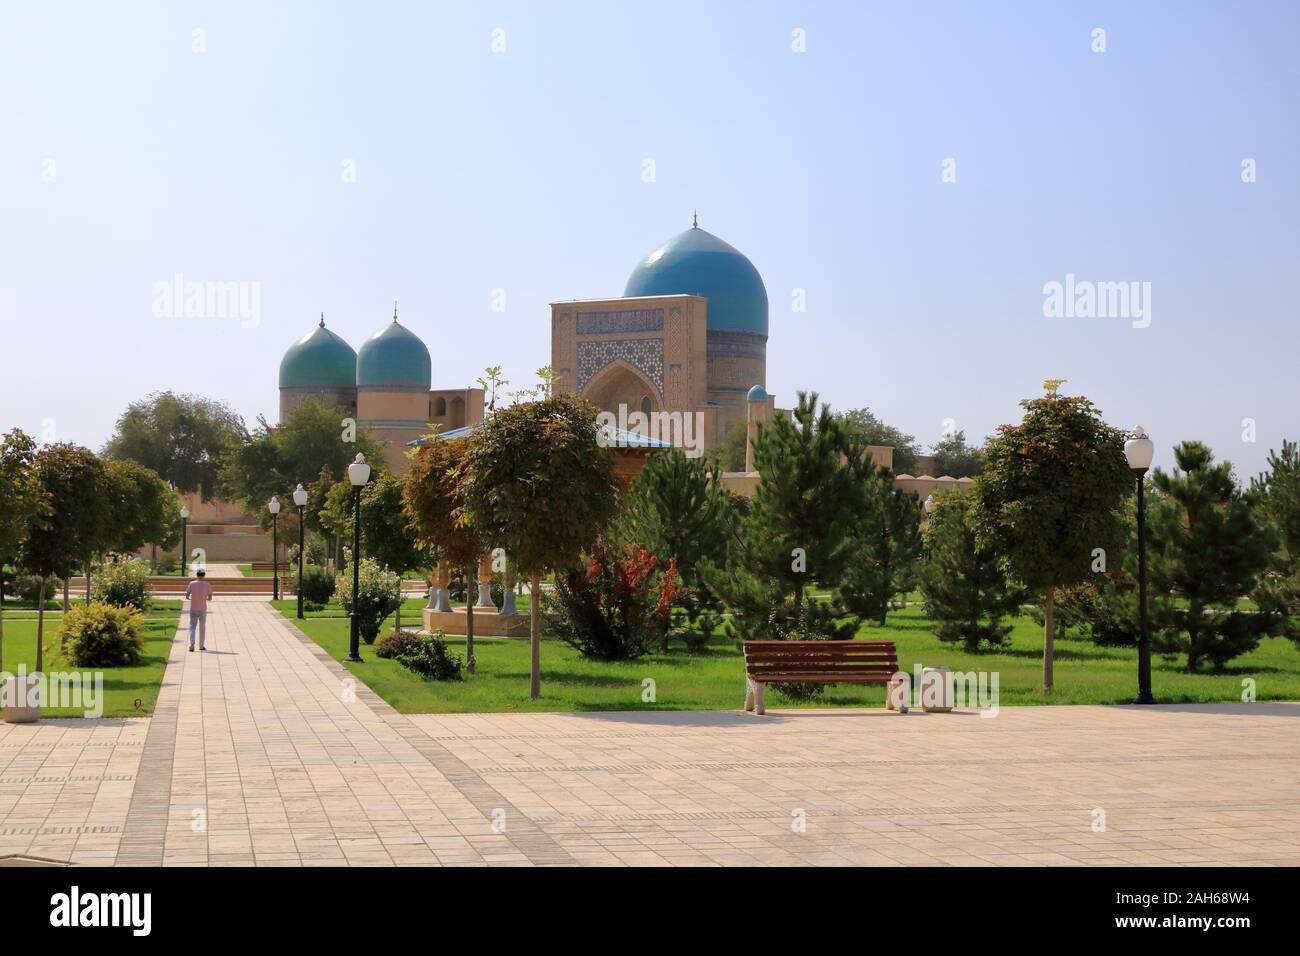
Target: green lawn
<point x="713" y="680"/>
<point x="123" y="686"/>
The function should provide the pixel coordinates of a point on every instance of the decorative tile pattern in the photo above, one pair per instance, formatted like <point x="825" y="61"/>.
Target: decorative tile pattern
<point x="737" y="344"/>
<point x="645" y="355"/>
<point x="622" y="320"/>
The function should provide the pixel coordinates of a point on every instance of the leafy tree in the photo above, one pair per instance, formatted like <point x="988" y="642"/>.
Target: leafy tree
<point x="1051" y="493"/>
<point x="957" y="459"/>
<point x="434" y="502"/>
<point x="862" y="427"/>
<point x="965" y="588"/>
<point x="181" y="437"/>
<point x="537" y="485"/>
<point x="1275" y="496"/>
<point x="72" y="523"/>
<point x="678" y="511"/>
<point x="20" y="503"/>
<point x="274" y="459"/>
<point x="386" y="532"/>
<point x="803" y="515"/>
<point x="144" y="508"/>
<point x="1208" y="548"/>
<point x="887" y="545"/>
<point x="729" y="454"/>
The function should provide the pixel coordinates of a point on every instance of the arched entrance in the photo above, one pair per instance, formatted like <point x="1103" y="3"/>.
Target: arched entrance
<point x="621" y="384"/>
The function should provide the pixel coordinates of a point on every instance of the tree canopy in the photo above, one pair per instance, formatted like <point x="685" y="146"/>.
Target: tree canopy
<point x="1051" y="495"/>
<point x="181" y="437"/>
<point x="272" y="460"/>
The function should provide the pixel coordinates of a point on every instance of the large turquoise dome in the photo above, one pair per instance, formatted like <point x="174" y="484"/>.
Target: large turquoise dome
<point x="320" y="359"/>
<point x="699" y="263"/>
<point x="394" y="357"/>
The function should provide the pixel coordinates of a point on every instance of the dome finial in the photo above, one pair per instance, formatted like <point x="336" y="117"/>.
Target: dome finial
<point x="394" y="310"/>
<point x="322" y="320"/>
<point x="695" y="219"/>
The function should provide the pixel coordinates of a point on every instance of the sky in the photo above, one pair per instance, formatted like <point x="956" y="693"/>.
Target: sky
<point x="915" y="174"/>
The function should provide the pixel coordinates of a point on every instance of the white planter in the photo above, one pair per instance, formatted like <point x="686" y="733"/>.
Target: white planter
<point x="936" y="690"/>
<point x="12" y="691"/>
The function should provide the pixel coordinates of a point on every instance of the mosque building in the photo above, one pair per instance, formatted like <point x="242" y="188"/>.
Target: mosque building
<point x="687" y="339"/>
<point x="688" y="335"/>
<point x="386" y="386"/>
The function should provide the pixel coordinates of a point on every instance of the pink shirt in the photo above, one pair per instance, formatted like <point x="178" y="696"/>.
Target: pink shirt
<point x="198" y="594"/>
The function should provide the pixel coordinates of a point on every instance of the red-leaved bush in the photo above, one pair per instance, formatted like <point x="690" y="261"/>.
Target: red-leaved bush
<point x="618" y="607"/>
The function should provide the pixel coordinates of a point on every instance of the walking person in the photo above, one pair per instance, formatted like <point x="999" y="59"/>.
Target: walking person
<point x="199" y="593"/>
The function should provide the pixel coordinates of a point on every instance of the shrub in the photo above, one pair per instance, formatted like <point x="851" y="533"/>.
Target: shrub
<point x="317" y="584"/>
<point x="167" y="566"/>
<point x="428" y="656"/>
<point x="125" y="584"/>
<point x="618" y="607"/>
<point x="101" y="635"/>
<point x="396" y="644"/>
<point x="380" y="594"/>
<point x="312" y="606"/>
<point x="27" y="587"/>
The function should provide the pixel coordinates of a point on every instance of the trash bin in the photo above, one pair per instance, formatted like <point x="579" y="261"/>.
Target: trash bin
<point x="936" y="690"/>
<point x="22" y="704"/>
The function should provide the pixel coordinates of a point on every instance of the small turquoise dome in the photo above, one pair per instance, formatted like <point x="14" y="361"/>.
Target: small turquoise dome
<point x="757" y="394"/>
<point x="696" y="262"/>
<point x="320" y="359"/>
<point x="394" y="357"/>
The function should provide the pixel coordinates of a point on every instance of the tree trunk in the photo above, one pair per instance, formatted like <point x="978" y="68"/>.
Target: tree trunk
<point x="40" y="627"/>
<point x="798" y="596"/>
<point x="2" y="617"/>
<point x="469" y="625"/>
<point x="535" y="632"/>
<point x="1049" y="635"/>
<point x="153" y="559"/>
<point x="65" y="595"/>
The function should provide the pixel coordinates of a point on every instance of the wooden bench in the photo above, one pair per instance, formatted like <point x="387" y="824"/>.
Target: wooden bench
<point x="815" y="662"/>
<point x="269" y="566"/>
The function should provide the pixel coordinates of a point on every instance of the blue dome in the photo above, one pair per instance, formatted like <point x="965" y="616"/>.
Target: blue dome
<point x="699" y="263"/>
<point x="320" y="359"/>
<point x="394" y="357"/>
<point x="757" y="394"/>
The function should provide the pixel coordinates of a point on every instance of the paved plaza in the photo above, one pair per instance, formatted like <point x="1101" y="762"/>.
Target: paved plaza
<point x="264" y="751"/>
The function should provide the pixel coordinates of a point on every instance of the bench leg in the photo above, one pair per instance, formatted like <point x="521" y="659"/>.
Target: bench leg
<point x="758" y="698"/>
<point x="749" y="695"/>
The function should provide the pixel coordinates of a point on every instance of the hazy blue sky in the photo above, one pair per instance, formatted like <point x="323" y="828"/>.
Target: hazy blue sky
<point x="523" y="170"/>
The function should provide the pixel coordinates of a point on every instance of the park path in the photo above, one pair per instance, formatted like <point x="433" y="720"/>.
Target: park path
<point x="264" y="750"/>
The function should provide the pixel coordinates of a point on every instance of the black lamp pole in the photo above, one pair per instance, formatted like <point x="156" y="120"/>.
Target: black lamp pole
<point x="275" y="555"/>
<point x="354" y="643"/>
<point x="300" y="544"/>
<point x="1144" y="633"/>
<point x="185" y="527"/>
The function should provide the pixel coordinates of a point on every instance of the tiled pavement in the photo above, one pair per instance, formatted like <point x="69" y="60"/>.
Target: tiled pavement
<point x="262" y="750"/>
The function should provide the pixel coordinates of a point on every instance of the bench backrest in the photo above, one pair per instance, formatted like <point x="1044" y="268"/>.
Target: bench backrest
<point x="862" y="659"/>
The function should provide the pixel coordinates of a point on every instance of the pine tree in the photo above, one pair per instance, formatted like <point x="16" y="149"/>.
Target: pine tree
<point x="1275" y="496"/>
<point x="677" y="509"/>
<point x="803" y="514"/>
<point x="965" y="588"/>
<point x="1208" y="549"/>
<point x="888" y="545"/>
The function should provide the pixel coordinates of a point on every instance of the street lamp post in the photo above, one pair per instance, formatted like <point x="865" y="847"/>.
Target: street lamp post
<point x="273" y="506"/>
<point x="358" y="475"/>
<point x="1138" y="450"/>
<point x="300" y="499"/>
<point x="185" y="527"/>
